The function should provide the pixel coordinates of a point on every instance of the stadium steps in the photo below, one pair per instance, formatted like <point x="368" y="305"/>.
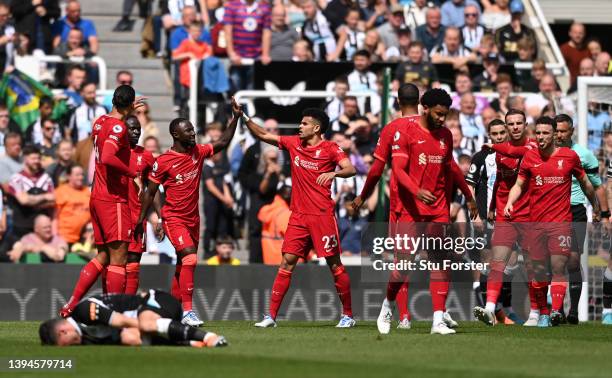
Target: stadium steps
<point x="586" y="11"/>
<point x="122" y="51"/>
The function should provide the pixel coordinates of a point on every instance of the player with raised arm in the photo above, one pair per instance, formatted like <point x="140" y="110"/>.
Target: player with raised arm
<point x="548" y="171"/>
<point x="606" y="316"/>
<point x="312" y="223"/>
<point x="590" y="164"/>
<point x="510" y="231"/>
<point x="109" y="207"/>
<point x="149" y="318"/>
<point x="179" y="170"/>
<point x="422" y="164"/>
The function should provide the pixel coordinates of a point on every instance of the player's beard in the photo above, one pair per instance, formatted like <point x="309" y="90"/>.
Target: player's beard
<point x="431" y="123"/>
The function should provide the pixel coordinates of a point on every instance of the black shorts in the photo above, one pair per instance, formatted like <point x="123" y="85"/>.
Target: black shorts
<point x="163" y="304"/>
<point x="579" y="227"/>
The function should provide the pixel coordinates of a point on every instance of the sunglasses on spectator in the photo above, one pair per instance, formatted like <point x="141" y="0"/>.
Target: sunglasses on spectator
<point x="126" y="82"/>
<point x="471" y="15"/>
<point x="49" y="128"/>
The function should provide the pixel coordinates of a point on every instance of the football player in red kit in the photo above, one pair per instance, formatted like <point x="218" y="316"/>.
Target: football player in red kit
<point x="109" y="207"/>
<point x="179" y="170"/>
<point x="548" y="172"/>
<point x="312" y="223"/>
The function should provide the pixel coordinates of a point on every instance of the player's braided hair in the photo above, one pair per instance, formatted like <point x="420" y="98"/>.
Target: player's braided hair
<point x="319" y="116"/>
<point x="123" y="97"/>
<point x="46" y="331"/>
<point x="436" y="96"/>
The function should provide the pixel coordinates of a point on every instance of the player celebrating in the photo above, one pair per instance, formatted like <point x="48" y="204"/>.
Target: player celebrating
<point x="142" y="162"/>
<point x="179" y="170"/>
<point x="565" y="130"/>
<point x="510" y="230"/>
<point x="548" y="171"/>
<point x="312" y="222"/>
<point x="109" y="198"/>
<point x="422" y="163"/>
<point x="149" y="318"/>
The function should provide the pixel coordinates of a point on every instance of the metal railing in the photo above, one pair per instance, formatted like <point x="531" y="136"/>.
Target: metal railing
<point x="558" y="67"/>
<point x="102" y="69"/>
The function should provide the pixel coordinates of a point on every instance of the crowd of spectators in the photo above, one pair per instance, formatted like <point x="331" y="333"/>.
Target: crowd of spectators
<point x="46" y="169"/>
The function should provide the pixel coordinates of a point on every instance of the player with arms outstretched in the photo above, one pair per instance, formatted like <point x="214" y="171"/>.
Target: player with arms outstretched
<point x="179" y="170"/>
<point x="109" y="207"/>
<point x="312" y="223"/>
<point x="548" y="171"/>
<point x="422" y="163"/>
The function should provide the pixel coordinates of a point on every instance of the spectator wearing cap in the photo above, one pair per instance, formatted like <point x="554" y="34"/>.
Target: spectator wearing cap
<point x="30" y="192"/>
<point x="415" y="69"/>
<point x="351" y="37"/>
<point x="503" y="87"/>
<point x="453" y="12"/>
<point x="486" y="81"/>
<point x="394" y="54"/>
<point x="507" y="37"/>
<point x="42" y="240"/>
<point x="575" y="49"/>
<point x="388" y="30"/>
<point x="472" y="31"/>
<point x="248" y="35"/>
<point x="414" y="14"/>
<point x="62" y="27"/>
<point x="452" y="51"/>
<point x="587" y="68"/>
<point x="496" y="13"/>
<point x="361" y="79"/>
<point x="35" y="18"/>
<point x="283" y="37"/>
<point x="432" y="33"/>
<point x="318" y="31"/>
<point x="224" y="248"/>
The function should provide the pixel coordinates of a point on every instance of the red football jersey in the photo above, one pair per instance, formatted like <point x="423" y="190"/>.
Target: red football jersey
<point x="308" y="163"/>
<point x="141" y="161"/>
<point x="550" y="182"/>
<point x="109" y="183"/>
<point x="507" y="172"/>
<point x="429" y="157"/>
<point x="383" y="153"/>
<point x="180" y="174"/>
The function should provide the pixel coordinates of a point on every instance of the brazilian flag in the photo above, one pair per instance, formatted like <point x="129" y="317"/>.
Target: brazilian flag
<point x="21" y="95"/>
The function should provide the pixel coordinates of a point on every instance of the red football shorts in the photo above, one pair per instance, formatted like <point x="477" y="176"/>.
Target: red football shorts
<point x="507" y="234"/>
<point x="181" y="235"/>
<point x="305" y="232"/>
<point x="111" y="221"/>
<point x="139" y="246"/>
<point x="416" y="226"/>
<point x="550" y="239"/>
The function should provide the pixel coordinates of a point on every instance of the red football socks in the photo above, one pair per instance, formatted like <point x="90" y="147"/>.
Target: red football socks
<point x="343" y="287"/>
<point x="438" y="289"/>
<point x="558" y="288"/>
<point x="186" y="281"/>
<point x="279" y="289"/>
<point x="176" y="287"/>
<point x="115" y="279"/>
<point x="495" y="281"/>
<point x="89" y="275"/>
<point x="402" y="300"/>
<point x="132" y="271"/>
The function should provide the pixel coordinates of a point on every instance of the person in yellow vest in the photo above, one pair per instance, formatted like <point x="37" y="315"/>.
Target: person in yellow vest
<point x="274" y="218"/>
<point x="224" y="248"/>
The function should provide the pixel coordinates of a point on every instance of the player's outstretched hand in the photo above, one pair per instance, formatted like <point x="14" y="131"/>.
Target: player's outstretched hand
<point x="324" y="178"/>
<point x="236" y="108"/>
<point x="357" y="203"/>
<point x="139" y="102"/>
<point x="473" y="209"/>
<point x="508" y="210"/>
<point x="425" y="196"/>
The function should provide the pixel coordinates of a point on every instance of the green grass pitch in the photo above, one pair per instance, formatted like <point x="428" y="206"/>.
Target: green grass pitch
<point x="317" y="349"/>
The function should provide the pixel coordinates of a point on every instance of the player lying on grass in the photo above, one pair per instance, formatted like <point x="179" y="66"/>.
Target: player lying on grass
<point x="312" y="223"/>
<point x="149" y="318"/>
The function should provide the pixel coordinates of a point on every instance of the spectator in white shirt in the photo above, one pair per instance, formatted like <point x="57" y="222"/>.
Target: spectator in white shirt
<point x="471" y="30"/>
<point x="363" y="80"/>
<point x="452" y="51"/>
<point x="83" y="117"/>
<point x="471" y="124"/>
